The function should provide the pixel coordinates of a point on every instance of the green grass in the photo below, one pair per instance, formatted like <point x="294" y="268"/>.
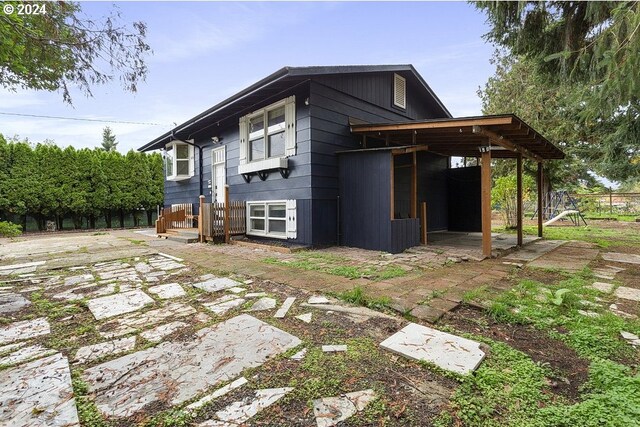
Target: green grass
<point x="358" y="297"/>
<point x="601" y="236"/>
<point x="509" y="389"/>
<point x="535" y="303"/>
<point x="337" y="266"/>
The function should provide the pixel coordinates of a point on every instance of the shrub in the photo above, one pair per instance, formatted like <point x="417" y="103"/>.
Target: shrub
<point x="9" y="229"/>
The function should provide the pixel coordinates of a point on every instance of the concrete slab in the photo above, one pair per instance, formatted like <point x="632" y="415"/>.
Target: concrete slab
<point x="24" y="330"/>
<point x="570" y="257"/>
<point x="299" y="355"/>
<point x="360" y="311"/>
<point x="236" y="290"/>
<point x="76" y="280"/>
<point x="284" y="309"/>
<point x="218" y="393"/>
<point x="330" y="411"/>
<point x="26" y="267"/>
<point x="175" y="372"/>
<point x="159" y="332"/>
<point x="11" y="302"/>
<point x="241" y="411"/>
<point x="318" y="300"/>
<point x="534" y="250"/>
<point x="264" y="303"/>
<point x="121" y="303"/>
<point x="110" y="348"/>
<point x="625" y="292"/>
<point x="167" y="291"/>
<point x="90" y="290"/>
<point x="255" y="295"/>
<point x="217" y="284"/>
<point x="38" y="393"/>
<point x="445" y="350"/>
<point x="135" y="321"/>
<point x="621" y="257"/>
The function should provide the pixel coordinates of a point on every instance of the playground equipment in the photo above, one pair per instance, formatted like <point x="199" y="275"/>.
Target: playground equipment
<point x="558" y="206"/>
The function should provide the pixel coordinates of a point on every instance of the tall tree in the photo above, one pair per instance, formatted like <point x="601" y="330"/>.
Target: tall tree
<point x="55" y="48"/>
<point x="587" y="54"/>
<point x="109" y="142"/>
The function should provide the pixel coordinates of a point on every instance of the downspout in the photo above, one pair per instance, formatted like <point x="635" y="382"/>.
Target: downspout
<point x="200" y="156"/>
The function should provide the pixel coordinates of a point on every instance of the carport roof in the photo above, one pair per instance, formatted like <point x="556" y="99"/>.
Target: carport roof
<point x="507" y="135"/>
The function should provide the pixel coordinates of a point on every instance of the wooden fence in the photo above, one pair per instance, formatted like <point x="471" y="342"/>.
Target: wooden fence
<point x="218" y="221"/>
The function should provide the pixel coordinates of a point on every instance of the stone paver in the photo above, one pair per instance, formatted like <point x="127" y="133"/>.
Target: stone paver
<point x="135" y="321"/>
<point x="175" y="372"/>
<point x="38" y="393"/>
<point x="224" y="304"/>
<point x="24" y="330"/>
<point x="306" y="317"/>
<point x="329" y="411"/>
<point x="264" y="303"/>
<point x="110" y="348"/>
<point x="445" y="350"/>
<point x="603" y="287"/>
<point x="284" y="309"/>
<point x="572" y="257"/>
<point x="218" y="393"/>
<point x="534" y="250"/>
<point x="625" y="292"/>
<point x="12" y="302"/>
<point x="159" y="332"/>
<point x="26" y="353"/>
<point x="299" y="355"/>
<point x="334" y="348"/>
<point x="217" y="284"/>
<point x="621" y="257"/>
<point x="117" y="304"/>
<point x="167" y="291"/>
<point x="318" y="300"/>
<point x="241" y="411"/>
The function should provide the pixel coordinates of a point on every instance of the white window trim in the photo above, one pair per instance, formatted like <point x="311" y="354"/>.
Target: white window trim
<point x="289" y="128"/>
<point x="396" y="78"/>
<point x="289" y="219"/>
<point x="175" y="177"/>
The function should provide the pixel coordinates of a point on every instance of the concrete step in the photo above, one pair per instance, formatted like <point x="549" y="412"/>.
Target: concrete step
<point x="190" y="233"/>
<point x="182" y="239"/>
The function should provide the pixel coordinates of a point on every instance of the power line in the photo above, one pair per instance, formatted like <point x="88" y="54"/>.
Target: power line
<point x="81" y="119"/>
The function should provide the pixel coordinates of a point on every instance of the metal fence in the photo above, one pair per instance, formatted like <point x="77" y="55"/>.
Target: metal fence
<point x="609" y="203"/>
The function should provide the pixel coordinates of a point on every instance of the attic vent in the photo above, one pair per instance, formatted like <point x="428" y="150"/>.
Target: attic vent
<point x="399" y="91"/>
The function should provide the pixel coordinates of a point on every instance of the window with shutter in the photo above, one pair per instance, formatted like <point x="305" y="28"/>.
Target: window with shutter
<point x="399" y="91"/>
<point x="268" y="136"/>
<point x="179" y="161"/>
<point x="271" y="218"/>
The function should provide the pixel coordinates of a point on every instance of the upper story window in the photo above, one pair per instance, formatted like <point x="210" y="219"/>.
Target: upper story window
<point x="179" y="161"/>
<point x="399" y="91"/>
<point x="267" y="136"/>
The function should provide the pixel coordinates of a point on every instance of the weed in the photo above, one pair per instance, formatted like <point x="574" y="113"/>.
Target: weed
<point x="474" y="294"/>
<point x="358" y="297"/>
<point x="87" y="410"/>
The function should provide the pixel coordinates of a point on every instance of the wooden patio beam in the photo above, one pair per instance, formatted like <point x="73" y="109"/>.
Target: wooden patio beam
<point x="409" y="150"/>
<point x="503" y="142"/>
<point x="540" y="195"/>
<point x="444" y="124"/>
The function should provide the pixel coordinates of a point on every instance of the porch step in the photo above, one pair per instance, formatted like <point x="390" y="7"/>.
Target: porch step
<point x="181" y="239"/>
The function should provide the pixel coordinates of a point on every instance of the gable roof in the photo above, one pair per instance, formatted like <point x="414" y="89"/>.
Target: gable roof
<point x="284" y="78"/>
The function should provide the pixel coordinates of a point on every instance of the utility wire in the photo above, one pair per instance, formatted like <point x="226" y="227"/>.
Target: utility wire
<point x="80" y="119"/>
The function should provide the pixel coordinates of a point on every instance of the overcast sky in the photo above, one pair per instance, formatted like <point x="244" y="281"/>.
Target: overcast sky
<point x="204" y="52"/>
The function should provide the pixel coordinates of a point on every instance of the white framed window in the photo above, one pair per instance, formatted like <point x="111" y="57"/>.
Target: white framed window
<point x="399" y="91"/>
<point x="179" y="161"/>
<point x="268" y="137"/>
<point x="272" y="218"/>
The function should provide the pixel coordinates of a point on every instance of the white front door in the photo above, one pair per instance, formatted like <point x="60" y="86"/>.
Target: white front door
<point x="218" y="174"/>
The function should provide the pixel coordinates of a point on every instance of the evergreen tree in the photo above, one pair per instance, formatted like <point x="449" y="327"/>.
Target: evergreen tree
<point x="109" y="142"/>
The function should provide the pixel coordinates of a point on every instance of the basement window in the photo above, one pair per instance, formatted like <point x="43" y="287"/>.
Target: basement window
<point x="275" y="218"/>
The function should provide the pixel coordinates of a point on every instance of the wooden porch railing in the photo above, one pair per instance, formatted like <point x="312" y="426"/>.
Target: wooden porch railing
<point x="177" y="216"/>
<point x="223" y="220"/>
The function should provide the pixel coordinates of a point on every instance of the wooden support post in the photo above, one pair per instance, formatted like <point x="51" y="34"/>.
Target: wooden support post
<point x="485" y="186"/>
<point x="200" y="217"/>
<point x="540" y="195"/>
<point x="519" y="198"/>
<point x="423" y="223"/>
<point x="227" y="215"/>
<point x="414" y="186"/>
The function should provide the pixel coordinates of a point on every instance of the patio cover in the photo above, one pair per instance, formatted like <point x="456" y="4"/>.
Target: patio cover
<point x="507" y="135"/>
